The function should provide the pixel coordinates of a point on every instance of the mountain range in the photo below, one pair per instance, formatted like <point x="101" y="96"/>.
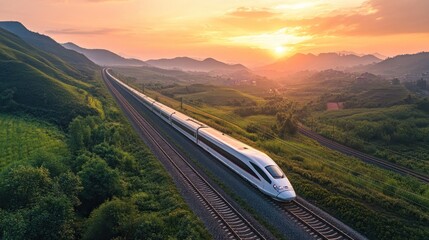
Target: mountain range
<point x="190" y="64"/>
<point x="322" y="61"/>
<point x="104" y="57"/>
<point x="400" y="65"/>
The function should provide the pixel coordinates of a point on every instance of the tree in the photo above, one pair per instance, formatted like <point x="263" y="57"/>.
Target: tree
<point x="286" y="124"/>
<point x="115" y="157"/>
<point x="49" y="161"/>
<point x="51" y="218"/>
<point x="99" y="181"/>
<point x="76" y="134"/>
<point x="71" y="186"/>
<point x="23" y="185"/>
<point x="112" y="219"/>
<point x="423" y="105"/>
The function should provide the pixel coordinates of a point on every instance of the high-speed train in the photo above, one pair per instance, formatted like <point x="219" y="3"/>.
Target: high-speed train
<point x="253" y="165"/>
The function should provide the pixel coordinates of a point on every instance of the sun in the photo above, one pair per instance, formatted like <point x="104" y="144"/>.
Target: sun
<point x="280" y="50"/>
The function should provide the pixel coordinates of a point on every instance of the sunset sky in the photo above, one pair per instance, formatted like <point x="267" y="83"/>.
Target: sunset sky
<point x="250" y="32"/>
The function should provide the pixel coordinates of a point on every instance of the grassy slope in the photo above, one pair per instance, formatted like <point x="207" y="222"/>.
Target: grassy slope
<point x="210" y="95"/>
<point x="164" y="76"/>
<point x="78" y="66"/>
<point x="23" y="138"/>
<point x="31" y="72"/>
<point x="349" y="129"/>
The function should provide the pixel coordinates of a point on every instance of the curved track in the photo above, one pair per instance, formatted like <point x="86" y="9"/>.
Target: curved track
<point x="235" y="225"/>
<point x="363" y="156"/>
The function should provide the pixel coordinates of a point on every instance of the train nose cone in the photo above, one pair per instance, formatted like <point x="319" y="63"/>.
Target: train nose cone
<point x="286" y="196"/>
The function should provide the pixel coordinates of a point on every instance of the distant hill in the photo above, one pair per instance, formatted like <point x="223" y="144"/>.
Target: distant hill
<point x="104" y="57"/>
<point x="80" y="64"/>
<point x="323" y="61"/>
<point x="401" y="65"/>
<point x="190" y="64"/>
<point x="36" y="82"/>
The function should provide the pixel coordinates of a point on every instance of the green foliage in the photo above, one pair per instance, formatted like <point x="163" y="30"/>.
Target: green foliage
<point x="24" y="138"/>
<point x="271" y="107"/>
<point x="50" y="161"/>
<point x="50" y="218"/>
<point x="23" y="185"/>
<point x="34" y="206"/>
<point x="35" y="82"/>
<point x="423" y="105"/>
<point x="71" y="185"/>
<point x="112" y="219"/>
<point x="398" y="133"/>
<point x="199" y="94"/>
<point x="286" y="124"/>
<point x="99" y="182"/>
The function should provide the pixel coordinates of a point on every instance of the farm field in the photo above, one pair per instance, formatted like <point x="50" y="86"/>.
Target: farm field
<point x="22" y="138"/>
<point x="399" y="133"/>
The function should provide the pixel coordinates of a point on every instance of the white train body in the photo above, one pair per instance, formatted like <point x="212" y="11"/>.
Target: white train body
<point x="251" y="164"/>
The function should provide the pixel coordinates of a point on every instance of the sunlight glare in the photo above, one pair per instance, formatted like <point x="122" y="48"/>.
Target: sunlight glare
<point x="280" y="50"/>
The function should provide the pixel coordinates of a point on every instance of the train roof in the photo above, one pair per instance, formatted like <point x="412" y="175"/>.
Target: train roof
<point x="188" y="120"/>
<point x="238" y="146"/>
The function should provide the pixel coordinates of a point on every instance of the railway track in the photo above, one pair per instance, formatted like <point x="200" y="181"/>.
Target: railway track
<point x="234" y="224"/>
<point x="317" y="226"/>
<point x="363" y="156"/>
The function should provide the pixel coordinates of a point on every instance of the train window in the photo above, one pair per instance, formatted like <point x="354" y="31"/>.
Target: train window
<point x="275" y="171"/>
<point x="259" y="170"/>
<point x="228" y="156"/>
<point x="184" y="128"/>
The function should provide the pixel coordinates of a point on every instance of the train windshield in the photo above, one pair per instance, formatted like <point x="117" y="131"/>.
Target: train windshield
<point x="275" y="171"/>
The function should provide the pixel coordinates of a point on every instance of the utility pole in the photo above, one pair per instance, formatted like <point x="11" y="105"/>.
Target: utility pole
<point x="181" y="102"/>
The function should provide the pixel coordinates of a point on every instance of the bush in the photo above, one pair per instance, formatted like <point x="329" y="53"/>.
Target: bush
<point x="99" y="182"/>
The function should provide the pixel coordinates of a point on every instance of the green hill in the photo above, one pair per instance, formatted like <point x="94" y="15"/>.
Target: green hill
<point x="400" y="65"/>
<point x="78" y="67"/>
<point x="36" y="82"/>
<point x="210" y="95"/>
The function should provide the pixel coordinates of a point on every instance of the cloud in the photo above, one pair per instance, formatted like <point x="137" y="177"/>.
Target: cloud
<point x="375" y="17"/>
<point x="247" y="12"/>
<point x="73" y="31"/>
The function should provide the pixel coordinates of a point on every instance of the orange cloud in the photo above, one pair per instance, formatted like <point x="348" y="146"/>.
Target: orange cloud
<point x="375" y="17"/>
<point x="248" y="12"/>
